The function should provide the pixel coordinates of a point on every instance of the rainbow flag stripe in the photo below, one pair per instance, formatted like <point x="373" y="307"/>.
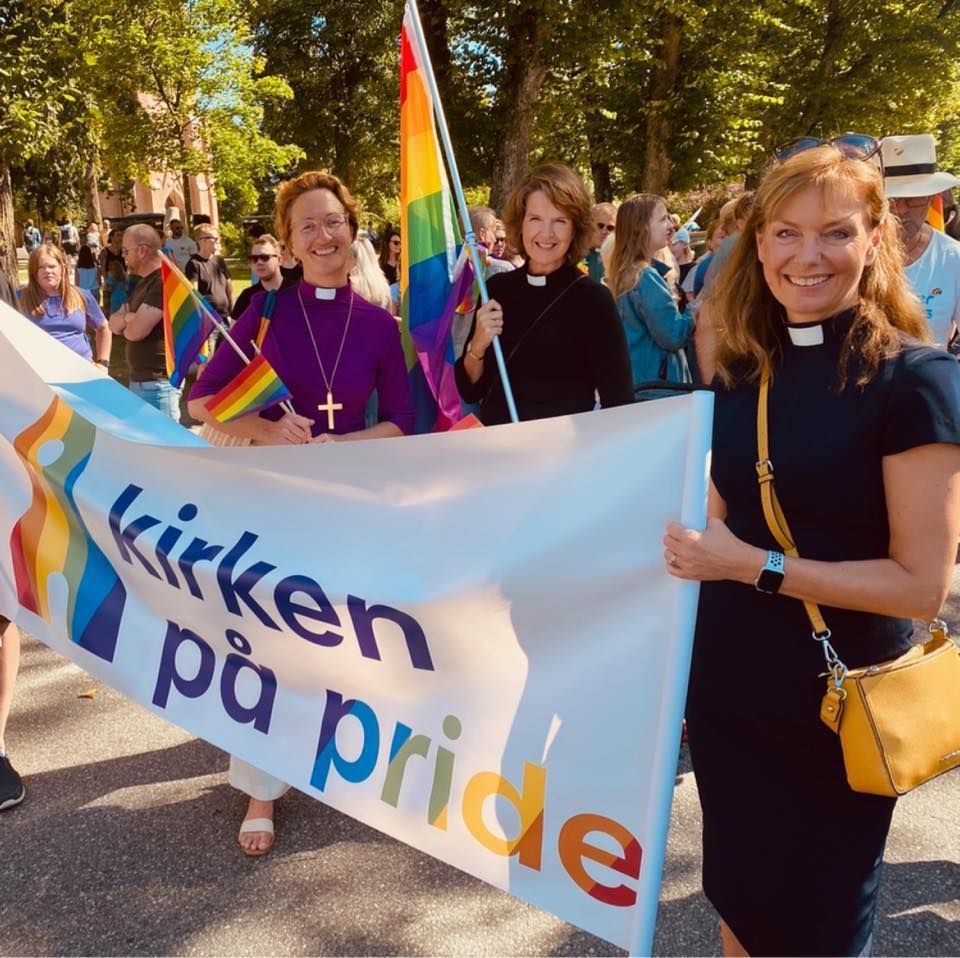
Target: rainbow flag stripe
<point x="935" y="213"/>
<point x="254" y="388"/>
<point x="51" y="537"/>
<point x="186" y="327"/>
<point x="431" y="270"/>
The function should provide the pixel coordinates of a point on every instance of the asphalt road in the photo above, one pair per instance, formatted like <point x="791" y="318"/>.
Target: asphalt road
<point x="126" y="846"/>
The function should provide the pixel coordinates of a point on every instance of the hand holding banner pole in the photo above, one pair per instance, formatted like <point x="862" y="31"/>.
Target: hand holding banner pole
<point x="469" y="236"/>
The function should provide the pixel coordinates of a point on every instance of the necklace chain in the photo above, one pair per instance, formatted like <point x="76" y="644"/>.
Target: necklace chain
<point x="327" y="382"/>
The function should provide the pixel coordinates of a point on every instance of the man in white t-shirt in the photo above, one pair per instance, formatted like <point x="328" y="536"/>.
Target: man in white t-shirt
<point x="931" y="258"/>
<point x="181" y="247"/>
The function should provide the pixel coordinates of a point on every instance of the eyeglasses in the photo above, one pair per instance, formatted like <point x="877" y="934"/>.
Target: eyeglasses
<point x="261" y="257"/>
<point x="913" y="202"/>
<point x="605" y="227"/>
<point x="332" y="224"/>
<point x="207" y="236"/>
<point x="854" y="146"/>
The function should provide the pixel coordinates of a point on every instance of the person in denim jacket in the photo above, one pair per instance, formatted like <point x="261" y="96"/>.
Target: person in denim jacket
<point x="657" y="331"/>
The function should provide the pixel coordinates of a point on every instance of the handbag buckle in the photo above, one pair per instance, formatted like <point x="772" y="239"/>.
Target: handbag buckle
<point x="764" y="470"/>
<point x="835" y="667"/>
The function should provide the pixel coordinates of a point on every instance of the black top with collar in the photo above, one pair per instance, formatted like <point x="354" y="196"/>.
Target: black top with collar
<point x="558" y="361"/>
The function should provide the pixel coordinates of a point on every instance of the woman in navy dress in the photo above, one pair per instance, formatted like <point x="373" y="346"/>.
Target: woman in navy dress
<point x="864" y="426"/>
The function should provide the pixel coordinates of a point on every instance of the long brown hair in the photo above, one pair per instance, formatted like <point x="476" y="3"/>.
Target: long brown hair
<point x="632" y="249"/>
<point x="749" y="319"/>
<point x="34" y="297"/>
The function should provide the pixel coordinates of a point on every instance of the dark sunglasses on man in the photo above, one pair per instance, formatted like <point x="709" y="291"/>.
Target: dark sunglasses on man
<point x="854" y="146"/>
<point x="606" y="228"/>
<point x="261" y="257"/>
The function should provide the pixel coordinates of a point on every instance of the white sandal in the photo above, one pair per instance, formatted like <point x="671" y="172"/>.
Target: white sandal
<point x="257" y="825"/>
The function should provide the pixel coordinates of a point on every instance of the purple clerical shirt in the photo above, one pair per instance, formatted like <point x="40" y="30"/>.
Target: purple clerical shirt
<point x="372" y="358"/>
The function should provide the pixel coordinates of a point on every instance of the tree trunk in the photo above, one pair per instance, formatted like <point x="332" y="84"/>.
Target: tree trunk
<point x="433" y="18"/>
<point x="187" y="201"/>
<point x="664" y="84"/>
<point x="8" y="231"/>
<point x="526" y="70"/>
<point x="94" y="214"/>
<point x="599" y="169"/>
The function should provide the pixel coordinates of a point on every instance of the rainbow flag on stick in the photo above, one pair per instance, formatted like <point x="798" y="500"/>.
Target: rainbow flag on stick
<point x="434" y="278"/>
<point x="186" y="324"/>
<point x="254" y="388"/>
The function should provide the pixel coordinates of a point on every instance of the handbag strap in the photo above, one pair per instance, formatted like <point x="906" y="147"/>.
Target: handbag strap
<point x="777" y="524"/>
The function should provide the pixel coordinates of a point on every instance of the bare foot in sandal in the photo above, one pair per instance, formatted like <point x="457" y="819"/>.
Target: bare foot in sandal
<point x="256" y="831"/>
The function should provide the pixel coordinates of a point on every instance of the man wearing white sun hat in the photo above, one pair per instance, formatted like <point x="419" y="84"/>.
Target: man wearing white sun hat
<point x="931" y="258"/>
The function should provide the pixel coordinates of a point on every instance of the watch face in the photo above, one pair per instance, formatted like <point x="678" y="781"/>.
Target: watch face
<point x="769" y="581"/>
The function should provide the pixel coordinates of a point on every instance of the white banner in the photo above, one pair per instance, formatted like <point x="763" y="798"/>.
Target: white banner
<point x="464" y="640"/>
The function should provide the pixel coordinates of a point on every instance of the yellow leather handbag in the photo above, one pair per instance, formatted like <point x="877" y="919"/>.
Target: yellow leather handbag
<point x="898" y="721"/>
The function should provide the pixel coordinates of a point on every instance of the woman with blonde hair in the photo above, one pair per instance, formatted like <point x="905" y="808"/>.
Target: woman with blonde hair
<point x="558" y="329"/>
<point x="366" y="277"/>
<point x="656" y="330"/>
<point x="66" y="312"/>
<point x="817" y="328"/>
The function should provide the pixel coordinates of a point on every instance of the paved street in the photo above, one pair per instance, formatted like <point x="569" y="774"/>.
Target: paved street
<point x="126" y="846"/>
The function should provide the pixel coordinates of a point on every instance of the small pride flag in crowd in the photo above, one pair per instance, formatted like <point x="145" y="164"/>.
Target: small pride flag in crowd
<point x="254" y="388"/>
<point x="186" y="326"/>
<point x="935" y="213"/>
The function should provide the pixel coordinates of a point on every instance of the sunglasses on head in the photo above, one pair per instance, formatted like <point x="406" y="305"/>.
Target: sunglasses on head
<point x="261" y="257"/>
<point x="854" y="146"/>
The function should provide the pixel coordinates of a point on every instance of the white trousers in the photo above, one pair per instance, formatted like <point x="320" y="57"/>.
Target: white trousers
<point x="256" y="783"/>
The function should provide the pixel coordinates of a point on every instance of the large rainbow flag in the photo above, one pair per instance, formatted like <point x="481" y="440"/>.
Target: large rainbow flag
<point x="186" y="326"/>
<point x="434" y="278"/>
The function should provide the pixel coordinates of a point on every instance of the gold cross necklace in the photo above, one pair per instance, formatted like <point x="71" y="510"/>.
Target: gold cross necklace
<point x="329" y="407"/>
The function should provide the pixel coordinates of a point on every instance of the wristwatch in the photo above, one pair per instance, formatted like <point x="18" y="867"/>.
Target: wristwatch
<point x="771" y="575"/>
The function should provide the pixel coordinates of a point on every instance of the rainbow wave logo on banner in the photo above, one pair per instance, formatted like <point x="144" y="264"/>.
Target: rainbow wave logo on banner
<point x="434" y="279"/>
<point x="52" y="538"/>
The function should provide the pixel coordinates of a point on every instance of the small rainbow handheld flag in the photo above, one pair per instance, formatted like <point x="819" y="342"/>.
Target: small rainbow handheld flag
<point x="254" y="388"/>
<point x="186" y="327"/>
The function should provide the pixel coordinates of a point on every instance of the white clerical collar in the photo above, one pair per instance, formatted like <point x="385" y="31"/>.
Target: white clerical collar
<point x="325" y="292"/>
<point x="806" y="335"/>
<point x="535" y="280"/>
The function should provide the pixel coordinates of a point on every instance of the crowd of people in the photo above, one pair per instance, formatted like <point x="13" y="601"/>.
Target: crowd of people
<point x="824" y="298"/>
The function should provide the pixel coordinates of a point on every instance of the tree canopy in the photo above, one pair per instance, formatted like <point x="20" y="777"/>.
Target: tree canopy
<point x="665" y="96"/>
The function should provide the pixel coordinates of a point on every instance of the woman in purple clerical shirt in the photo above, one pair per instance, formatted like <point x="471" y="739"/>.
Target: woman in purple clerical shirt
<point x="332" y="349"/>
<point x="330" y="346"/>
<point x="65" y="311"/>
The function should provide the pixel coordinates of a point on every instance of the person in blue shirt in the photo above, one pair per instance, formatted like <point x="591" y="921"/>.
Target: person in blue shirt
<point x="657" y="331"/>
<point x="63" y="310"/>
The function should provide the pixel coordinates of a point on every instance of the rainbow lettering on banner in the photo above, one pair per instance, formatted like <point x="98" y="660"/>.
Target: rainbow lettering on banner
<point x="186" y="327"/>
<point x="52" y="538"/>
<point x="433" y="279"/>
<point x="256" y="387"/>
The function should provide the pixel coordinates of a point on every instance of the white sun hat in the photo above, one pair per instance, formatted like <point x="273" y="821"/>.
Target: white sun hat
<point x="910" y="167"/>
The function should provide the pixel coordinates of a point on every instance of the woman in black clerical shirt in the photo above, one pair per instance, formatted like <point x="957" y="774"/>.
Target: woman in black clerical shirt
<point x="560" y="333"/>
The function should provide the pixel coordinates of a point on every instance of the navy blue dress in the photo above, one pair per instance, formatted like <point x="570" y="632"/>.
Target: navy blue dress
<point x="791" y="855"/>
